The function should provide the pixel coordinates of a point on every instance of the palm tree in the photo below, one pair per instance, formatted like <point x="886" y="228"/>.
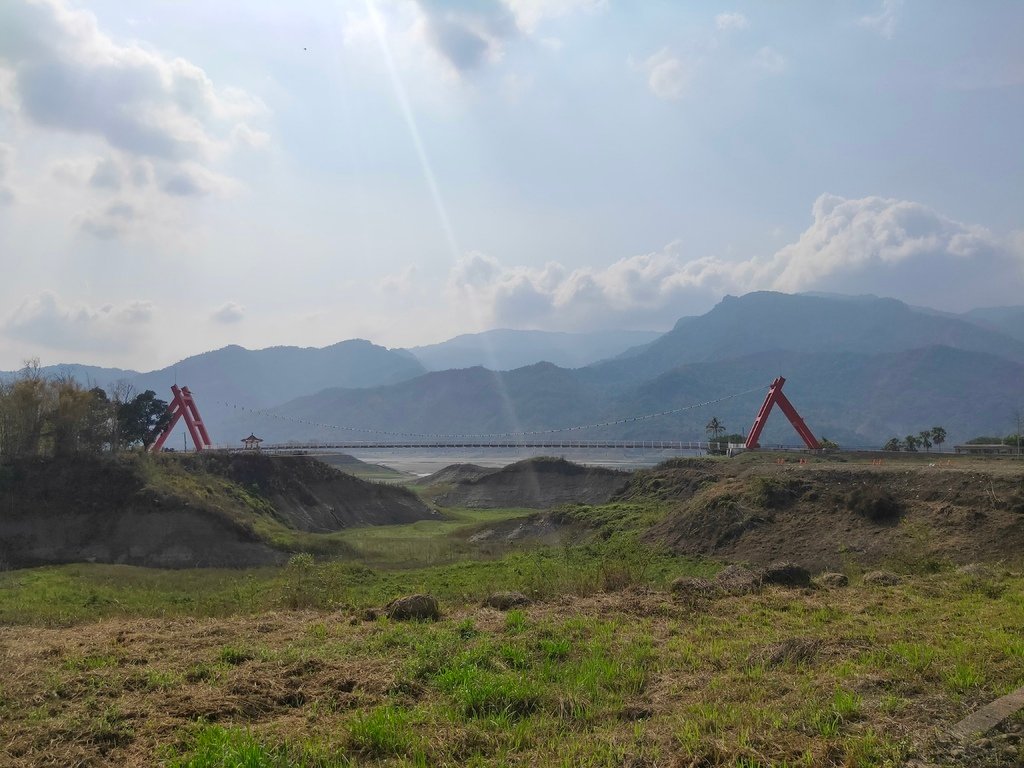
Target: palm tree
<point x="938" y="437"/>
<point x="893" y="444"/>
<point x="910" y="442"/>
<point x="715" y="428"/>
<point x="925" y="438"/>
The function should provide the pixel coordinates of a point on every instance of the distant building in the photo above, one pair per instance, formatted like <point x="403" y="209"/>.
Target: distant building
<point x="986" y="449"/>
<point x="252" y="443"/>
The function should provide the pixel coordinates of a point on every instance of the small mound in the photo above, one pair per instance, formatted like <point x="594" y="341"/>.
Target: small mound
<point x="785" y="574"/>
<point x="504" y="601"/>
<point x="737" y="580"/>
<point x="882" y="579"/>
<point x="413" y="608"/>
<point x="537" y="483"/>
<point x="793" y="650"/>
<point x="833" y="580"/>
<point x="453" y="473"/>
<point x="693" y="589"/>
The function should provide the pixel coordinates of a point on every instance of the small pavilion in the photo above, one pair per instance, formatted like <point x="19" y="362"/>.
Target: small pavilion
<point x="252" y="443"/>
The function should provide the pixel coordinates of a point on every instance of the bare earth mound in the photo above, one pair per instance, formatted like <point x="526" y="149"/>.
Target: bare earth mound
<point x="537" y="484"/>
<point x="310" y="496"/>
<point x="824" y="515"/>
<point x="454" y="473"/>
<point x="181" y="512"/>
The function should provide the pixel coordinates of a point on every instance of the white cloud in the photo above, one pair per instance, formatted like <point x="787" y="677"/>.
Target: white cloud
<point x="768" y="60"/>
<point x="667" y="76"/>
<point x="110" y="221"/>
<point x="404" y="283"/>
<point x="468" y="35"/>
<point x="884" y="22"/>
<point x="247" y="136"/>
<point x="193" y="180"/>
<point x="45" y="320"/>
<point x="730" y="21"/>
<point x="869" y="245"/>
<point x="7" y="196"/>
<point x="228" y="313"/>
<point x="531" y="13"/>
<point x="67" y="75"/>
<point x="899" y="248"/>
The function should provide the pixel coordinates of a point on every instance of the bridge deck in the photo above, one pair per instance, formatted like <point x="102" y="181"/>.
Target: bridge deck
<point x="670" y="445"/>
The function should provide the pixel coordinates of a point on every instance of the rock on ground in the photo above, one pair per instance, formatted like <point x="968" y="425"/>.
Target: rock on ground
<point x="413" y="607"/>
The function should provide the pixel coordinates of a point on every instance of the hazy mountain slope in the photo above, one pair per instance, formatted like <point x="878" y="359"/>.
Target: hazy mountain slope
<point x="765" y="321"/>
<point x="471" y="400"/>
<point x="851" y="398"/>
<point x="855" y="399"/>
<point x="506" y="349"/>
<point x="87" y="375"/>
<point x="1008" y="320"/>
<point x="232" y="376"/>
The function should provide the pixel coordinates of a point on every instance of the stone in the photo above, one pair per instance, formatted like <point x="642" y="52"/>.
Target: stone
<point x="833" y="580"/>
<point x="882" y="578"/>
<point x="504" y="601"/>
<point x="786" y="574"/>
<point x="413" y="607"/>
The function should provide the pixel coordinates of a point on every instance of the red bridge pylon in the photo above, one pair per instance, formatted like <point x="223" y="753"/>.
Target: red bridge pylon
<point x="775" y="396"/>
<point x="183" y="406"/>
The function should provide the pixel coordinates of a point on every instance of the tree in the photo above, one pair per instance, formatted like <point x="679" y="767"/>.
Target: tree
<point x="893" y="444"/>
<point x="68" y="416"/>
<point x="938" y="437"/>
<point x="924" y="438"/>
<point x="714" y="428"/>
<point x="910" y="443"/>
<point x="828" y="445"/>
<point x="98" y="430"/>
<point x="141" y="419"/>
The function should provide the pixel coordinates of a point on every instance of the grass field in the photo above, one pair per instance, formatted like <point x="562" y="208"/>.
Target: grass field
<point x="114" y="665"/>
<point x="628" y="677"/>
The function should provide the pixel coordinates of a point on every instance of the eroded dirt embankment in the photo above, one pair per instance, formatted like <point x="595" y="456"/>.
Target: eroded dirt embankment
<point x="180" y="512"/>
<point x="828" y="514"/>
<point x="536" y="484"/>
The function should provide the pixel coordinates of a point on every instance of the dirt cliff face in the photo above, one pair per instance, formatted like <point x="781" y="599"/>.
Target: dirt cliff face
<point x="537" y="484"/>
<point x="309" y="495"/>
<point x="179" y="512"/>
<point x="827" y="515"/>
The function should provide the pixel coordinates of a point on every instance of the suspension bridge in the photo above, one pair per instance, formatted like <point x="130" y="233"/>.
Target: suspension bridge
<point x="183" y="408"/>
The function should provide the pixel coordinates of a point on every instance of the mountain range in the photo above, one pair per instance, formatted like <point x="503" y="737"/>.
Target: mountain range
<point x="859" y="369"/>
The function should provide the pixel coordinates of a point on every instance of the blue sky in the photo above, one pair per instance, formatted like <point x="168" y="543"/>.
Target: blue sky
<point x="179" y="175"/>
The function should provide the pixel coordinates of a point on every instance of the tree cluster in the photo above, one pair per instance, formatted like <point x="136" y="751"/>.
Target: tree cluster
<point x="925" y="439"/>
<point x="46" y="416"/>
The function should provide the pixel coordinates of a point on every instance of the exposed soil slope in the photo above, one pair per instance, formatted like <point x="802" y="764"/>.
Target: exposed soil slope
<point x="826" y="514"/>
<point x="308" y="495"/>
<point x="454" y="473"/>
<point x="537" y="484"/>
<point x="179" y="512"/>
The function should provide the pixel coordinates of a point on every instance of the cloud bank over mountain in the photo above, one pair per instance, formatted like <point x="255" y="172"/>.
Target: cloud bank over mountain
<point x="868" y="245"/>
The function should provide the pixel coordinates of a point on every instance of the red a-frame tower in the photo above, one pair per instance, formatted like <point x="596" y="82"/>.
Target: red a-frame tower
<point x="774" y="397"/>
<point x="183" y="406"/>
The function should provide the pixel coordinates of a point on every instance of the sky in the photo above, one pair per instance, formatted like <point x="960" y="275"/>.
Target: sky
<point x="178" y="175"/>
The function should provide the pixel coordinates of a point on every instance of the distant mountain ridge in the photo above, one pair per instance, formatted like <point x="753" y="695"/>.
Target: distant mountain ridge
<point x="504" y="349"/>
<point x="861" y="369"/>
